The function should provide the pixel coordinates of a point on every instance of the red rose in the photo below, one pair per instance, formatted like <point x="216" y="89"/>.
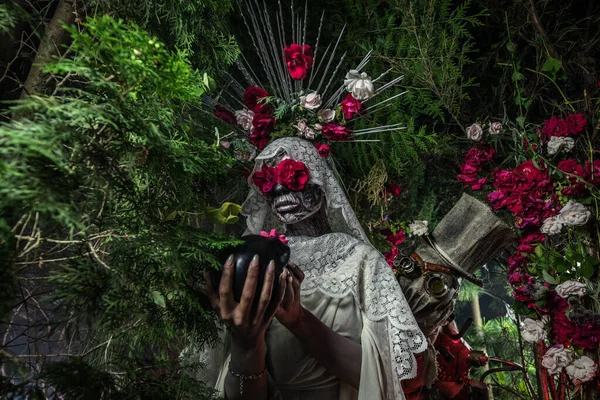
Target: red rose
<point x="555" y="127"/>
<point x="396" y="239"/>
<point x="335" y="132"/>
<point x="472" y="180"/>
<point x="526" y="241"/>
<point x="293" y="174"/>
<point x="323" y="149"/>
<point x="394" y="189"/>
<point x="576" y="176"/>
<point x="252" y="99"/>
<point x="298" y="59"/>
<point x="350" y="106"/>
<point x="265" y="179"/>
<point x="263" y="125"/>
<point x="224" y="114"/>
<point x="391" y="255"/>
<point x="576" y="123"/>
<point x="516" y="262"/>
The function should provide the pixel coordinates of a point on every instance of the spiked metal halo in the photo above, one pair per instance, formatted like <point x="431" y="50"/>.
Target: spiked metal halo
<point x="295" y="91"/>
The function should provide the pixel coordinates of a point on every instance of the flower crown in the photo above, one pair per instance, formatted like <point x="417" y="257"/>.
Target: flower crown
<point x="300" y="104"/>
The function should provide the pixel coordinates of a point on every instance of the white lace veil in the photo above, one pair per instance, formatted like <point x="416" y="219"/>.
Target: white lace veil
<point x="341" y="217"/>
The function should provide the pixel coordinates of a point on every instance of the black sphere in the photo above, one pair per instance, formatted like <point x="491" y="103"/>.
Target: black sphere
<point x="267" y="248"/>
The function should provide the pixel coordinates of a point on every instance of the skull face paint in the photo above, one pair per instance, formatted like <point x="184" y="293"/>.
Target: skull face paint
<point x="295" y="206"/>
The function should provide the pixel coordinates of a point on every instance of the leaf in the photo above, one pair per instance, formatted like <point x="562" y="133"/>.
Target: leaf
<point x="552" y="65"/>
<point x="209" y="82"/>
<point x="510" y="46"/>
<point x="226" y="214"/>
<point x="586" y="270"/>
<point x="517" y="76"/>
<point x="539" y="251"/>
<point x="561" y="266"/>
<point x="548" y="278"/>
<point x="521" y="122"/>
<point x="159" y="299"/>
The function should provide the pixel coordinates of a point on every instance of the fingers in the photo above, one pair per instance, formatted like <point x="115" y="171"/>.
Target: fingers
<point x="210" y="291"/>
<point x="226" y="301"/>
<point x="265" y="296"/>
<point x="297" y="272"/>
<point x="242" y="313"/>
<point x="275" y="303"/>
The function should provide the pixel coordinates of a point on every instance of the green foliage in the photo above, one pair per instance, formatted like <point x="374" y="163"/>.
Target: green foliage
<point x="112" y="177"/>
<point x="198" y="27"/>
<point x="10" y="14"/>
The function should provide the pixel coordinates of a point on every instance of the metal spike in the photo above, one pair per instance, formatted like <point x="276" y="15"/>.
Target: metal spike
<point x="331" y="58"/>
<point x="276" y="55"/>
<point x="389" y="99"/>
<point x="293" y="19"/>
<point x="264" y="53"/>
<point x="312" y="70"/>
<point x="390" y="83"/>
<point x="379" y="131"/>
<point x="378" y="127"/>
<point x="334" y="73"/>
<point x="382" y="75"/>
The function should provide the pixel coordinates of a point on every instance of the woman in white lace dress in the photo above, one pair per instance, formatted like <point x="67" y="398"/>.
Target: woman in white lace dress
<point x="342" y="329"/>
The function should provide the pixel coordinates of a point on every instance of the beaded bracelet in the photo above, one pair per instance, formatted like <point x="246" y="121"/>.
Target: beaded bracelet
<point x="243" y="378"/>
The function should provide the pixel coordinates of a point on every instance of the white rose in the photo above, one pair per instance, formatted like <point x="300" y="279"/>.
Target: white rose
<point x="556" y="358"/>
<point x="574" y="214"/>
<point x="244" y="119"/>
<point x="327" y="115"/>
<point x="495" y="128"/>
<point x="552" y="226"/>
<point x="558" y="143"/>
<point x="474" y="132"/>
<point x="311" y="101"/>
<point x="571" y="288"/>
<point x="419" y="228"/>
<point x="582" y="370"/>
<point x="359" y="84"/>
<point x="532" y="331"/>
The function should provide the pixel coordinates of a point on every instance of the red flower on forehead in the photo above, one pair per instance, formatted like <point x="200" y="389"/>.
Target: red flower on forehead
<point x="290" y="173"/>
<point x="298" y="59"/>
<point x="293" y="174"/>
<point x="265" y="179"/>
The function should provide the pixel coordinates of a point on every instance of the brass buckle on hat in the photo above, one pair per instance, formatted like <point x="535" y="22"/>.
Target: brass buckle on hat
<point x="407" y="266"/>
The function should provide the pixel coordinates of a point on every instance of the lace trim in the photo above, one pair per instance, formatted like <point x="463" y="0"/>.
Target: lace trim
<point x="337" y="264"/>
